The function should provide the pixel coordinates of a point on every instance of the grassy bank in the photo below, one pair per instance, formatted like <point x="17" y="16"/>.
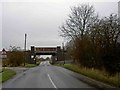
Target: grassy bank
<point x="7" y="74"/>
<point x="30" y="65"/>
<point x="93" y="73"/>
<point x="27" y="65"/>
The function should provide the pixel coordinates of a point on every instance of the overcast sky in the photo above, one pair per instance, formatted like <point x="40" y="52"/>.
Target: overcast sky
<point x="40" y="20"/>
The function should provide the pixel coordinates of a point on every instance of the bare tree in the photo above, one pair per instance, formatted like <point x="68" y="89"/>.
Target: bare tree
<point x="14" y="48"/>
<point x="78" y="26"/>
<point x="78" y="22"/>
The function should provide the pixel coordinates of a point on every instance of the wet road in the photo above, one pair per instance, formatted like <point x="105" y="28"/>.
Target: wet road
<point x="46" y="76"/>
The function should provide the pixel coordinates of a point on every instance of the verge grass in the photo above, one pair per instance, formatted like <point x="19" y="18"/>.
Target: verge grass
<point x="94" y="73"/>
<point x="6" y="74"/>
<point x="27" y="65"/>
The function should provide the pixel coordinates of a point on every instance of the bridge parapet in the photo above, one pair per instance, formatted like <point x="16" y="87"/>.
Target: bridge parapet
<point x="45" y="49"/>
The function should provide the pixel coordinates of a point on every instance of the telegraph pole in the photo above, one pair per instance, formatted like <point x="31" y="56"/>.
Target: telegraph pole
<point x="25" y="48"/>
<point x="119" y="29"/>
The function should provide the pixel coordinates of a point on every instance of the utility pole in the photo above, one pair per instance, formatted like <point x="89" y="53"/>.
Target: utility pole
<point x="119" y="28"/>
<point x="63" y="52"/>
<point x="25" y="48"/>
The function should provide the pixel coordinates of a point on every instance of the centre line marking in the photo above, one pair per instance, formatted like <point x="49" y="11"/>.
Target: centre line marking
<point x="51" y="81"/>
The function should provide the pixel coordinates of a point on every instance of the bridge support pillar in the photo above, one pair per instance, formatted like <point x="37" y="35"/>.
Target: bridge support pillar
<point x="59" y="53"/>
<point x="32" y="58"/>
<point x="53" y="59"/>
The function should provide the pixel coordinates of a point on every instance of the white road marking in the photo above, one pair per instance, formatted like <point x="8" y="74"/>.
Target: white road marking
<point x="46" y="68"/>
<point x="51" y="81"/>
<point x="41" y="63"/>
<point x="48" y="63"/>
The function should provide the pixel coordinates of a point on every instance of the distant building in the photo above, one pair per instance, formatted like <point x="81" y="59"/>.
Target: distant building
<point x="3" y="54"/>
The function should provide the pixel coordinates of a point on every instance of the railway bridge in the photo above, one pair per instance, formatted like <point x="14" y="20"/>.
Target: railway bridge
<point x="56" y="52"/>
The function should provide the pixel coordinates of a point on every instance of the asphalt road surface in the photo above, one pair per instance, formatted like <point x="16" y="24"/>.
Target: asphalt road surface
<point x="46" y="76"/>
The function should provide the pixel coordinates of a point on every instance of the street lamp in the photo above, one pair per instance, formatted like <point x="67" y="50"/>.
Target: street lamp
<point x="32" y="57"/>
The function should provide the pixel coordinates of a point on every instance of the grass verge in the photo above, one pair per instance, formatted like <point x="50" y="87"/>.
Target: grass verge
<point x="6" y="74"/>
<point x="30" y="65"/>
<point x="94" y="74"/>
<point x="27" y="65"/>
